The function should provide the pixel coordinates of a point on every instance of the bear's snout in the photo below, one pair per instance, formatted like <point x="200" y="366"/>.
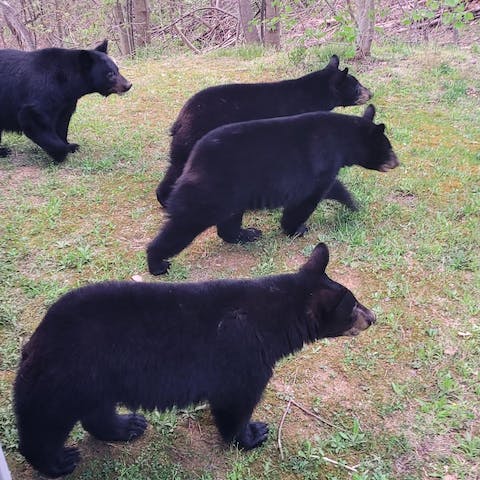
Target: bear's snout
<point x="364" y="95"/>
<point x="390" y="164"/>
<point x="362" y="319"/>
<point x="122" y="85"/>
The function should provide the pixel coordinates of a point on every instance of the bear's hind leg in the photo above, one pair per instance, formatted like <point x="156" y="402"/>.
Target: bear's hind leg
<point x="37" y="128"/>
<point x="166" y="185"/>
<point x="231" y="232"/>
<point x="234" y="425"/>
<point x="172" y="239"/>
<point x="107" y="425"/>
<point x="42" y="444"/>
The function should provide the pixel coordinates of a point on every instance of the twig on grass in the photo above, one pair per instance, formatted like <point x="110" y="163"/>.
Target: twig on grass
<point x="314" y="415"/>
<point x="282" y="421"/>
<point x="280" y="426"/>
<point x="338" y="464"/>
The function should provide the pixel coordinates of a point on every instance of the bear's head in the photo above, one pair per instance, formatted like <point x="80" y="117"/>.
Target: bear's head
<point x="102" y="71"/>
<point x="345" y="88"/>
<point x="378" y="154"/>
<point x="333" y="310"/>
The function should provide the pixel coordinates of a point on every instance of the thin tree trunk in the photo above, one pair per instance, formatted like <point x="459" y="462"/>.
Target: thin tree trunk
<point x="18" y="29"/>
<point x="246" y="16"/>
<point x="366" y="23"/>
<point x="122" y="17"/>
<point x="141" y="26"/>
<point x="271" y="34"/>
<point x="58" y="23"/>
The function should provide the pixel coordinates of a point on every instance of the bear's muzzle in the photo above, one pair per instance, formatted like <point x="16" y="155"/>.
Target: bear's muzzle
<point x="363" y="318"/>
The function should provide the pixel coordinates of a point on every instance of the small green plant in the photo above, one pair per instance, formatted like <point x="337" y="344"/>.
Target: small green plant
<point x="342" y="441"/>
<point x="469" y="445"/>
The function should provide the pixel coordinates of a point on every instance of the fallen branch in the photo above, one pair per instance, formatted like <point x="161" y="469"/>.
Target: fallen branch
<point x="280" y="426"/>
<point x="339" y="464"/>
<point x="186" y="40"/>
<point x="308" y="412"/>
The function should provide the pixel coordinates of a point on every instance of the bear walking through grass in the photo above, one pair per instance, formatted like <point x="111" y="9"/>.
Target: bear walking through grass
<point x="222" y="104"/>
<point x="288" y="162"/>
<point x="39" y="91"/>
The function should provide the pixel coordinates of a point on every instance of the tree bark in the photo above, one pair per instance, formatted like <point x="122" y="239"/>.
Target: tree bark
<point x="271" y="35"/>
<point x="141" y="25"/>
<point x="366" y="22"/>
<point x="18" y="29"/>
<point x="246" y="16"/>
<point x="123" y="25"/>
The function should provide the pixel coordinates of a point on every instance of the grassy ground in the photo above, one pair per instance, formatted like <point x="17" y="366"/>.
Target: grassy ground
<point x="402" y="399"/>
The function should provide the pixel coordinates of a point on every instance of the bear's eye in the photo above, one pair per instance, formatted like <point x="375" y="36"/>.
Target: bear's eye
<point x="111" y="75"/>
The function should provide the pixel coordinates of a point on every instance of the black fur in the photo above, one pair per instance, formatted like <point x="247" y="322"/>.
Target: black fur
<point x="39" y="92"/>
<point x="159" y="345"/>
<point x="223" y="104"/>
<point x="288" y="162"/>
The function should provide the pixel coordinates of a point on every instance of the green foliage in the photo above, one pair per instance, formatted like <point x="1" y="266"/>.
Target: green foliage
<point x="451" y="12"/>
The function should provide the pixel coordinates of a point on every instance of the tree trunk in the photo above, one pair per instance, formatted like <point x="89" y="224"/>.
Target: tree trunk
<point x="123" y="25"/>
<point x="366" y="23"/>
<point x="141" y="25"/>
<point x="58" y="24"/>
<point x="18" y="29"/>
<point x="246" y="16"/>
<point x="271" y="23"/>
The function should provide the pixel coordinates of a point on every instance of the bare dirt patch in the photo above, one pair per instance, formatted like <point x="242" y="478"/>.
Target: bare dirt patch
<point x="12" y="178"/>
<point x="402" y="198"/>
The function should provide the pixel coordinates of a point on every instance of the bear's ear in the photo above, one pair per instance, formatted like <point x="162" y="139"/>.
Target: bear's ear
<point x="369" y="113"/>
<point x="334" y="62"/>
<point x="341" y="75"/>
<point x="381" y="127"/>
<point x="318" y="260"/>
<point x="102" y="47"/>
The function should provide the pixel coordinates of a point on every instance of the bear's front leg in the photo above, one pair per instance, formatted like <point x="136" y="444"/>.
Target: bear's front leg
<point x="339" y="193"/>
<point x="37" y="127"/>
<point x="63" y="122"/>
<point x="233" y="423"/>
<point x="294" y="216"/>
<point x="252" y="436"/>
<point x="230" y="230"/>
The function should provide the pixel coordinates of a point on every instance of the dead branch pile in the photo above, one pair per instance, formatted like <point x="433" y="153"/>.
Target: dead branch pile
<point x="204" y="29"/>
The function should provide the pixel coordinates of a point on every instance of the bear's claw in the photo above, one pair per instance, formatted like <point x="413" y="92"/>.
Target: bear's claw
<point x="254" y="435"/>
<point x="158" y="268"/>
<point x="247" y="235"/>
<point x="64" y="463"/>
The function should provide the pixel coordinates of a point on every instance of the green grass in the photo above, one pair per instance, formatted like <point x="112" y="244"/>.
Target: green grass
<point x="403" y="397"/>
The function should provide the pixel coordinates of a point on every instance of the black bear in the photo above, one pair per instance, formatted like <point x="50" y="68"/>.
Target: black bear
<point x="288" y="162"/>
<point x="223" y="104"/>
<point x="156" y="345"/>
<point x="39" y="91"/>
